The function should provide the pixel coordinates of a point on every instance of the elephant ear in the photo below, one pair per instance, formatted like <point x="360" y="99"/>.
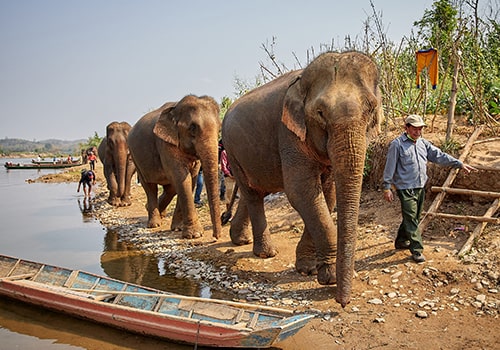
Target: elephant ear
<point x="377" y="117"/>
<point x="293" y="116"/>
<point x="166" y="127"/>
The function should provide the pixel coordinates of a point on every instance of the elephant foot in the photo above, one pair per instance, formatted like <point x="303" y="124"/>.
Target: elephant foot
<point x="240" y="238"/>
<point x="191" y="234"/>
<point x="176" y="227"/>
<point x="326" y="274"/>
<point x="154" y="222"/>
<point x="306" y="266"/>
<point x="265" y="251"/>
<point x="114" y="202"/>
<point x="125" y="203"/>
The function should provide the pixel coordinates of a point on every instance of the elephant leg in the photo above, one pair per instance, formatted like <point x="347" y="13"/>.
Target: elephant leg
<point x="305" y="252"/>
<point x="165" y="199"/>
<point x="262" y="245"/>
<point x="177" y="220"/>
<point x="154" y="218"/>
<point x="306" y="194"/>
<point x="191" y="227"/>
<point x="112" y="186"/>
<point x="305" y="255"/>
<point x="240" y="231"/>
<point x="126" y="197"/>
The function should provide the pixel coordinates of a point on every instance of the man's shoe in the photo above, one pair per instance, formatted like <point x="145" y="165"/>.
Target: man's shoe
<point x="402" y="244"/>
<point x="418" y="257"/>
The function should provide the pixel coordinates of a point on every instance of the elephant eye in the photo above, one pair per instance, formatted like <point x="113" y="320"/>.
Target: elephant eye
<point x="193" y="128"/>
<point x="320" y="113"/>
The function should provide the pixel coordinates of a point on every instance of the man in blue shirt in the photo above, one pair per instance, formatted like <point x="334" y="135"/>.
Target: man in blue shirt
<point x="406" y="171"/>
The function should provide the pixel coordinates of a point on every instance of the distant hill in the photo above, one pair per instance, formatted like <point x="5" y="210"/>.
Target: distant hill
<point x="55" y="147"/>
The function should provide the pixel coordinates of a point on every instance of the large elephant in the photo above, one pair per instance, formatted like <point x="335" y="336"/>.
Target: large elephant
<point x="305" y="133"/>
<point x="167" y="146"/>
<point x="118" y="165"/>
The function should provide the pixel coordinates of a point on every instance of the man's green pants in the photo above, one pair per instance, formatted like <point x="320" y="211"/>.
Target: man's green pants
<point x="412" y="203"/>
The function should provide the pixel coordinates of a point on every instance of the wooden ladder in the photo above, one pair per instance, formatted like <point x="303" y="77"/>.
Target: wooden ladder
<point x="446" y="188"/>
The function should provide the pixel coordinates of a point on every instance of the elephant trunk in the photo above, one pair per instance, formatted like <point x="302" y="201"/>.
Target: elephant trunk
<point x="347" y="151"/>
<point x="210" y="166"/>
<point x="121" y="158"/>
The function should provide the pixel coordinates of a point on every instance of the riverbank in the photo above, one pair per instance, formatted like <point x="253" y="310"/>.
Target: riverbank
<point x="445" y="303"/>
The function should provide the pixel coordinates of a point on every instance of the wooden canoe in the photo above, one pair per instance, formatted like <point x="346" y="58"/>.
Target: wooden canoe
<point x="147" y="311"/>
<point x="10" y="165"/>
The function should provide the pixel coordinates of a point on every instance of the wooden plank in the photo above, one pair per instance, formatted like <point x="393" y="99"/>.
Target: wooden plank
<point x="466" y="192"/>
<point x="449" y="180"/>
<point x="239" y="316"/>
<point x="185" y="297"/>
<point x="466" y="217"/>
<point x="18" y="277"/>
<point x="479" y="228"/>
<point x="254" y="320"/>
<point x="71" y="278"/>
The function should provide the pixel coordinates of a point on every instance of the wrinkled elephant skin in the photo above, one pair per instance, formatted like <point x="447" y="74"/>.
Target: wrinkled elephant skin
<point x="305" y="133"/>
<point x="117" y="162"/>
<point x="167" y="146"/>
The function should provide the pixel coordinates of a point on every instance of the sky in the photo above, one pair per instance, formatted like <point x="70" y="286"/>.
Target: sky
<point x="68" y="68"/>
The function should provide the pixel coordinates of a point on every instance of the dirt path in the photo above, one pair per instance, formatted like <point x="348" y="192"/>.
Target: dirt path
<point x="444" y="303"/>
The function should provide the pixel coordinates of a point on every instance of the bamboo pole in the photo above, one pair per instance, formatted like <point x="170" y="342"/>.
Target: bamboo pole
<point x="488" y="194"/>
<point x="467" y="217"/>
<point x="485" y="168"/>
<point x="487" y="140"/>
<point x="451" y="177"/>
<point x="479" y="228"/>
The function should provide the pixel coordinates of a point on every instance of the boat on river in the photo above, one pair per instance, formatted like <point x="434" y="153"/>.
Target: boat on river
<point x="148" y="311"/>
<point x="54" y="160"/>
<point x="42" y="165"/>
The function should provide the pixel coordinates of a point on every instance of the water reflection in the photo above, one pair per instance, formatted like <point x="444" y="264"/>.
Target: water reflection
<point x="123" y="261"/>
<point x="26" y="326"/>
<point x="87" y="208"/>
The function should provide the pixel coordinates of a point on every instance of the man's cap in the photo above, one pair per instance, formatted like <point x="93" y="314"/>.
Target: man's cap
<point x="415" y="121"/>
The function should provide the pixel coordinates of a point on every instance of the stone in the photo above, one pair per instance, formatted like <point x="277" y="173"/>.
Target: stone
<point x="422" y="314"/>
<point x="481" y="298"/>
<point x="396" y="275"/>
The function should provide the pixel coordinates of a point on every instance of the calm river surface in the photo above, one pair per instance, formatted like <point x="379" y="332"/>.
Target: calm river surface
<point x="51" y="223"/>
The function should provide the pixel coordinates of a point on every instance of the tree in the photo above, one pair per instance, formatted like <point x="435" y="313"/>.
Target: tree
<point x="92" y="141"/>
<point x="225" y="103"/>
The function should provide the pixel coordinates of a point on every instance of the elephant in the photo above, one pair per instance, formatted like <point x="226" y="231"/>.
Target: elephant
<point x="167" y="146"/>
<point x="306" y="133"/>
<point x="86" y="152"/>
<point x="117" y="161"/>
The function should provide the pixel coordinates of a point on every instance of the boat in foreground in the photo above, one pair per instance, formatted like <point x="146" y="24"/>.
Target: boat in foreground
<point x="148" y="311"/>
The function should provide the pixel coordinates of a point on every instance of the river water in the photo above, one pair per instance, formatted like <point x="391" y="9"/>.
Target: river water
<point x="53" y="224"/>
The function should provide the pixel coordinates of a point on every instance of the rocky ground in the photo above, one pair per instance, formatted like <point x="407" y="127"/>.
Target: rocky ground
<point x="445" y="303"/>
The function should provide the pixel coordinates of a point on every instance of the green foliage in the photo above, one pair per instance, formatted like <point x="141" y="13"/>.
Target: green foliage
<point x="465" y="35"/>
<point x="243" y="86"/>
<point x="92" y="141"/>
<point x="450" y="146"/>
<point x="225" y="103"/>
<point x="368" y="161"/>
<point x="437" y="25"/>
